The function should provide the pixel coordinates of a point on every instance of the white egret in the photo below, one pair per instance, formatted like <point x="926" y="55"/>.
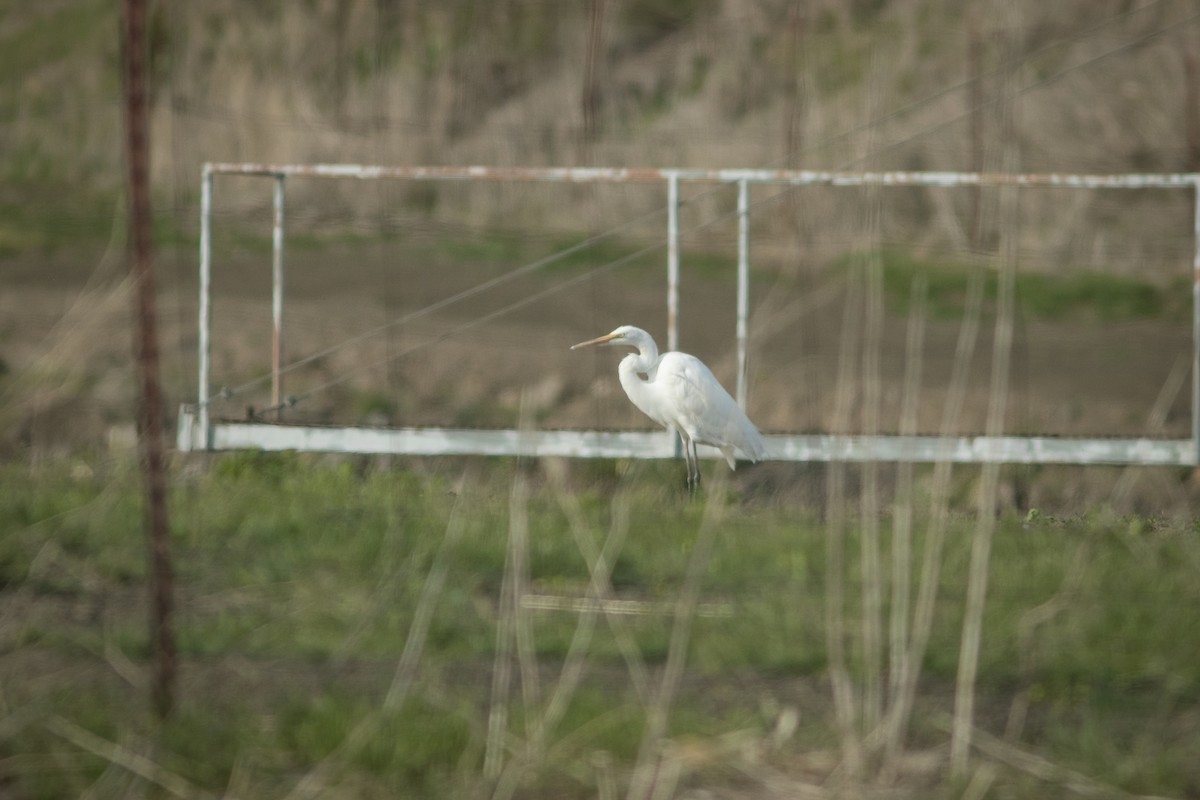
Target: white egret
<point x="680" y="393"/>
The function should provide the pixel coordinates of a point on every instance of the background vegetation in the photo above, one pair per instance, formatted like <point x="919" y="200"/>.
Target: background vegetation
<point x="379" y="627"/>
<point x="765" y="83"/>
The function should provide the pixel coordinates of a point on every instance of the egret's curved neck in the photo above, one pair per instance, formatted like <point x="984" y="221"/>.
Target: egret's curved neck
<point x="645" y="360"/>
<point x="630" y="371"/>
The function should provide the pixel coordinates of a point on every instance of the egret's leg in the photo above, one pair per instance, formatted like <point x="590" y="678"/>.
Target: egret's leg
<point x="695" y="466"/>
<point x="691" y="464"/>
<point x="689" y="459"/>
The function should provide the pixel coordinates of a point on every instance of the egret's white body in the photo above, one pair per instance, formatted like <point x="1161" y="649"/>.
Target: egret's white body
<point x="679" y="392"/>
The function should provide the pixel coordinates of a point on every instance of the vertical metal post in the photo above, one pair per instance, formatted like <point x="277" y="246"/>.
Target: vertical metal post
<point x="150" y="412"/>
<point x="673" y="276"/>
<point x="743" y="286"/>
<point x="1196" y="329"/>
<point x="277" y="301"/>
<point x="672" y="261"/>
<point x="204" y="319"/>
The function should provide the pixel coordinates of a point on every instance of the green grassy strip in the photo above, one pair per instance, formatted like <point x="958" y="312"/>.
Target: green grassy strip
<point x="1039" y="295"/>
<point x="298" y="576"/>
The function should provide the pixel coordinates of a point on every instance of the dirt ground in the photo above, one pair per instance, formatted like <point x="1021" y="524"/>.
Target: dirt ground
<point x="373" y="354"/>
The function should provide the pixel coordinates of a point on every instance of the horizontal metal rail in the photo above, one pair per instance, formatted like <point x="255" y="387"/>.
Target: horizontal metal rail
<point x="660" y="444"/>
<point x="801" y="177"/>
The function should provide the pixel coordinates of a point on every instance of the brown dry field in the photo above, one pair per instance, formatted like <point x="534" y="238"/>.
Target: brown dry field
<point x="65" y="340"/>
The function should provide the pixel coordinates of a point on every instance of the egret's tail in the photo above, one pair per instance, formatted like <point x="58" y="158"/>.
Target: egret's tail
<point x="744" y="437"/>
<point x="753" y="444"/>
<point x="730" y="458"/>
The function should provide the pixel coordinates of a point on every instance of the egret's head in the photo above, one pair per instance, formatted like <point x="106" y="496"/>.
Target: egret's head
<point x="626" y="335"/>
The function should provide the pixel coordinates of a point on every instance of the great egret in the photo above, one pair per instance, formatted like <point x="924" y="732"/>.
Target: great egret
<point x="682" y="394"/>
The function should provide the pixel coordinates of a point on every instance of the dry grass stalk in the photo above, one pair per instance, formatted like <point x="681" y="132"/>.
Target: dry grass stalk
<point x="666" y="776"/>
<point x="1155" y="421"/>
<point x="518" y="534"/>
<point x="540" y="726"/>
<point x="981" y="782"/>
<point x="981" y="541"/>
<point x="902" y="520"/>
<point x="575" y="660"/>
<point x="900" y="707"/>
<point x="1045" y="770"/>
<point x="493" y="758"/>
<point x="606" y="781"/>
<point x="315" y="781"/>
<point x="414" y="644"/>
<point x="872" y="576"/>
<point x="645" y="770"/>
<point x="509" y="635"/>
<point x="115" y="781"/>
<point x="114" y="753"/>
<point x="598" y="587"/>
<point x="569" y="503"/>
<point x="835" y="532"/>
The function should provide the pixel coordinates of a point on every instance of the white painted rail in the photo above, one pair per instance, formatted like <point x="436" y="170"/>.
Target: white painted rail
<point x="659" y="444"/>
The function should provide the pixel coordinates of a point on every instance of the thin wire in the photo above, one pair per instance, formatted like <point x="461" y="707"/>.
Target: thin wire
<point x="292" y="400"/>
<point x="296" y="398"/>
<point x="479" y="288"/>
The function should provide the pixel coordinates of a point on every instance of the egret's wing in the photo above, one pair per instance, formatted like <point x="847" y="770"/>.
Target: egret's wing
<point x="702" y="406"/>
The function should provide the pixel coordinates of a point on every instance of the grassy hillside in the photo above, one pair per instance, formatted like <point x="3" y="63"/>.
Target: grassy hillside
<point x="1079" y="86"/>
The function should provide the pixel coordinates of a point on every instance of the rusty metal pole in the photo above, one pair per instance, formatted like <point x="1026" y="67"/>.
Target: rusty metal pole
<point x="150" y="412"/>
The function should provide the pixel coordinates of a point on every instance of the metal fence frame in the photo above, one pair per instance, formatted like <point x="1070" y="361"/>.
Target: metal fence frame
<point x="198" y="431"/>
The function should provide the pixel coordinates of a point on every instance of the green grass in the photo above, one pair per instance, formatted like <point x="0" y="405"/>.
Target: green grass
<point x="298" y="577"/>
<point x="1039" y="295"/>
<point x="37" y="228"/>
<point x="564" y="253"/>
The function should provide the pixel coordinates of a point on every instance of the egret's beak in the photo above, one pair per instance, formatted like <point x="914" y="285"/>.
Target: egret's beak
<point x="605" y="339"/>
